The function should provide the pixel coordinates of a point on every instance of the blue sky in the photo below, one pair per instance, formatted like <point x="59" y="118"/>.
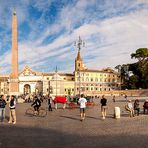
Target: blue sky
<point x="47" y="30"/>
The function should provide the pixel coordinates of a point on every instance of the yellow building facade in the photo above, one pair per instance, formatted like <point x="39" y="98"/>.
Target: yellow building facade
<point x="92" y="82"/>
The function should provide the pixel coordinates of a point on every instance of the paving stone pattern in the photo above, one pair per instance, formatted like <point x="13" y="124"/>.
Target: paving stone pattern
<point x="63" y="129"/>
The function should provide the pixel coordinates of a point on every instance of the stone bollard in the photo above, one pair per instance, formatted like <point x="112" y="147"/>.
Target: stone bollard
<point x="117" y="112"/>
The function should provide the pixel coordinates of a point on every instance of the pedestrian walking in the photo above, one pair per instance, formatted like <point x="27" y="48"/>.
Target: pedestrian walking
<point x="103" y="106"/>
<point x="114" y="100"/>
<point x="49" y="103"/>
<point x="82" y="101"/>
<point x="125" y="97"/>
<point x="2" y="107"/>
<point x="12" y="114"/>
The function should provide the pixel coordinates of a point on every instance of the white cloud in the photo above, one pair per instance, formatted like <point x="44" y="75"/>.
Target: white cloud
<point x="109" y="41"/>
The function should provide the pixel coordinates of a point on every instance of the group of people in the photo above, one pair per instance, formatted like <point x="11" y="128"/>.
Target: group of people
<point x="135" y="109"/>
<point x="12" y="105"/>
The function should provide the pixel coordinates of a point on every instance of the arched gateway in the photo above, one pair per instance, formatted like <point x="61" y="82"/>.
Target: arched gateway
<point x="27" y="89"/>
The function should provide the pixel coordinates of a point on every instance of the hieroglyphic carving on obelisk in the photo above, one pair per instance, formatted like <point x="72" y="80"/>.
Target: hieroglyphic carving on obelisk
<point x="14" y="83"/>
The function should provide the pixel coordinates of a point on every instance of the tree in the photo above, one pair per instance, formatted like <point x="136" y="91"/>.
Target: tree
<point x="135" y="75"/>
<point x="141" y="54"/>
<point x="123" y="74"/>
<point x="140" y="68"/>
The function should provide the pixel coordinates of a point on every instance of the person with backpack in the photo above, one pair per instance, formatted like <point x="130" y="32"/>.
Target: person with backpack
<point x="12" y="113"/>
<point x="2" y="107"/>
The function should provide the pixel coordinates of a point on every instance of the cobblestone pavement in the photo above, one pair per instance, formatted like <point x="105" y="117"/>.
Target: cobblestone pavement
<point x="63" y="129"/>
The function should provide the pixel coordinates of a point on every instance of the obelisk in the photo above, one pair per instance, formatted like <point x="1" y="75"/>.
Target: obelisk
<point x="14" y="83"/>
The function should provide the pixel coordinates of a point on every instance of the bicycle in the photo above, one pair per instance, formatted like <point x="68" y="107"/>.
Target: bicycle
<point x="40" y="113"/>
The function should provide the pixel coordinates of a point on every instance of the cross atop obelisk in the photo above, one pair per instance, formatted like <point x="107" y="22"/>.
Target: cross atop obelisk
<point x="14" y="85"/>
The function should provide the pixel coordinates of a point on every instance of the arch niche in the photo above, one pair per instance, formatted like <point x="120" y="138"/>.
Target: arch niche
<point x="27" y="89"/>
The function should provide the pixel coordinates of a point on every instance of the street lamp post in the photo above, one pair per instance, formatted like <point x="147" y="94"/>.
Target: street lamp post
<point x="79" y="44"/>
<point x="79" y="83"/>
<point x="118" y="67"/>
<point x="120" y="81"/>
<point x="126" y="70"/>
<point x="56" y="71"/>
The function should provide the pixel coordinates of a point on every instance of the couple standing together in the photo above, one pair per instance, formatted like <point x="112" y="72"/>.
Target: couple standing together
<point x="82" y="101"/>
<point x="12" y="114"/>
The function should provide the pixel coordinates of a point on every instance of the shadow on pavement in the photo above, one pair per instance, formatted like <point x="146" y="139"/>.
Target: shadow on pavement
<point x="25" y="137"/>
<point x="69" y="117"/>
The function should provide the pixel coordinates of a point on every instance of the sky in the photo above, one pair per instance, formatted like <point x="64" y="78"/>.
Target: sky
<point x="47" y="30"/>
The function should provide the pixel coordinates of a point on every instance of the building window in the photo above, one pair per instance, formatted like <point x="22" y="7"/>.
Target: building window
<point x="65" y="89"/>
<point x="87" y="88"/>
<point x="87" y="74"/>
<point x="47" y="78"/>
<point x="96" y="88"/>
<point x="113" y="80"/>
<point x="100" y="79"/>
<point x="96" y="79"/>
<point x="100" y="89"/>
<point x="82" y="74"/>
<point x="104" y="89"/>
<point x="91" y="79"/>
<point x="91" y="88"/>
<point x="87" y="79"/>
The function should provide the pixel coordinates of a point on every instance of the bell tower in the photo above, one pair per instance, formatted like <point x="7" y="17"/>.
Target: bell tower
<point x="78" y="62"/>
<point x="14" y="83"/>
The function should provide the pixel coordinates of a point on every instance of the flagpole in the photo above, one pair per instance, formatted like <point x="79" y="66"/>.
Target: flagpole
<point x="56" y="71"/>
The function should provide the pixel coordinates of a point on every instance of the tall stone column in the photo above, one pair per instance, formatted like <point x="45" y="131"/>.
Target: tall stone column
<point x="14" y="83"/>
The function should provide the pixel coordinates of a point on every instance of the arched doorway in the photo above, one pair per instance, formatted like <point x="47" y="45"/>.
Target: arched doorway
<point x="27" y="89"/>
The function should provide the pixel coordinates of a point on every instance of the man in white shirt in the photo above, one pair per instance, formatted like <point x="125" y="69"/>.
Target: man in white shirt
<point x="82" y="101"/>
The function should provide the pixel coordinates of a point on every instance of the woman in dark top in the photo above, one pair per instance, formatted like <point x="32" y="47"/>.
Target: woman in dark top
<point x="103" y="106"/>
